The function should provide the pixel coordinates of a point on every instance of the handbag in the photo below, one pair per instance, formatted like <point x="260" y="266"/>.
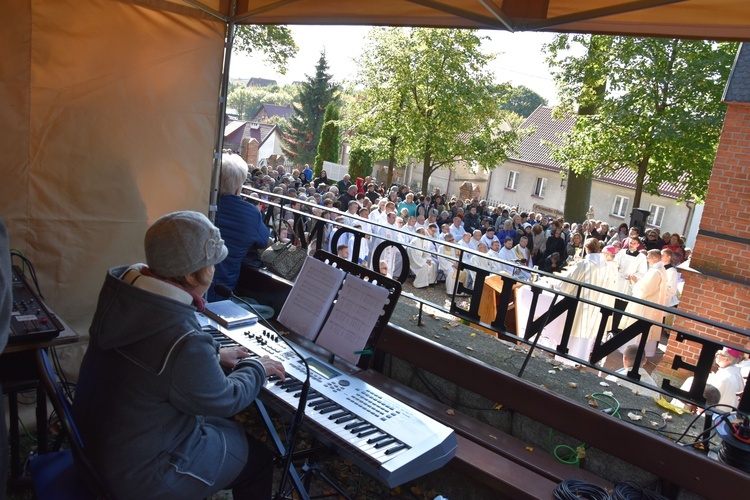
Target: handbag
<point x="284" y="259"/>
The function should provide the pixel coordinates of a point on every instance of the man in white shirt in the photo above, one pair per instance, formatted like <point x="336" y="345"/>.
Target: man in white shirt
<point x="457" y="229"/>
<point x="489" y="237"/>
<point x="507" y="254"/>
<point x="476" y="239"/>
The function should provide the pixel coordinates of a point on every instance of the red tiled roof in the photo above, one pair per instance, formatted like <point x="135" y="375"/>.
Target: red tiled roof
<point x="533" y="153"/>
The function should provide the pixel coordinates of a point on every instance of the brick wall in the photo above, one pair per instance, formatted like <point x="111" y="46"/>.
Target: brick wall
<point x="249" y="151"/>
<point x="718" y="288"/>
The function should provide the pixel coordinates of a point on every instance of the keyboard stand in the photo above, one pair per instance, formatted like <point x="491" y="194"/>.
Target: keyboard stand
<point x="310" y="468"/>
<point x="291" y="471"/>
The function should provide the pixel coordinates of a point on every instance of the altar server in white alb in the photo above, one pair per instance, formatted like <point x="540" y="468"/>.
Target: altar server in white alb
<point x="420" y="260"/>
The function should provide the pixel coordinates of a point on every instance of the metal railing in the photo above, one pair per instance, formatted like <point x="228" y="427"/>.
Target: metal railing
<point x="563" y="305"/>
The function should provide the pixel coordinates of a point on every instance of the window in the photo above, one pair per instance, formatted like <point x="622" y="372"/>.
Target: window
<point x="656" y="215"/>
<point x="512" y="180"/>
<point x="620" y="206"/>
<point x="541" y="187"/>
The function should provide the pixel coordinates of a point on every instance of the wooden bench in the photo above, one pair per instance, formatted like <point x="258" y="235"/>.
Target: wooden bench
<point x="503" y="462"/>
<point x="486" y="454"/>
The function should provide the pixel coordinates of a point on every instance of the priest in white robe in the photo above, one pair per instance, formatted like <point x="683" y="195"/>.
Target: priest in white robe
<point x="592" y="270"/>
<point x="448" y="263"/>
<point x="420" y="260"/>
<point x="651" y="288"/>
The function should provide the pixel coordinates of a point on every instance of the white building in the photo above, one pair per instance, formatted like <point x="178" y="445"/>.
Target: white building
<point x="531" y="181"/>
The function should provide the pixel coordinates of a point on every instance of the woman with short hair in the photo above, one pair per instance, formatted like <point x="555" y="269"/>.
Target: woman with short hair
<point x="153" y="404"/>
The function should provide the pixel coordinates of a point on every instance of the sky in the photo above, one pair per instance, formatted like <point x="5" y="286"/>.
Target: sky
<point x="520" y="59"/>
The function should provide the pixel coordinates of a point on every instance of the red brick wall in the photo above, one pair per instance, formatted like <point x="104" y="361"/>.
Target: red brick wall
<point x="720" y="289"/>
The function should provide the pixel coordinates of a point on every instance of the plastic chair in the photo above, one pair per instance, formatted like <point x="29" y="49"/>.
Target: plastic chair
<point x="55" y="475"/>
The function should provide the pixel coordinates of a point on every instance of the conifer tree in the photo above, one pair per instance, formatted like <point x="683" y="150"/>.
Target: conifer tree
<point x="328" y="147"/>
<point x="306" y="124"/>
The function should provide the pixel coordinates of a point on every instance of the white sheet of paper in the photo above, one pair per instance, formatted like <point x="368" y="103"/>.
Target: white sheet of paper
<point x="352" y="319"/>
<point x="311" y="298"/>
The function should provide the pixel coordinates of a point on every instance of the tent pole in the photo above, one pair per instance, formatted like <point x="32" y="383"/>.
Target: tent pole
<point x="221" y="113"/>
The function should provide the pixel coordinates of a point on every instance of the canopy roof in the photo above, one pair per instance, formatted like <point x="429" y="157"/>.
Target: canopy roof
<point x="709" y="19"/>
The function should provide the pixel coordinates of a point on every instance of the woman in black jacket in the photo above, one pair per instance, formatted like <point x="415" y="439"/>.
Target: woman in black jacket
<point x="555" y="243"/>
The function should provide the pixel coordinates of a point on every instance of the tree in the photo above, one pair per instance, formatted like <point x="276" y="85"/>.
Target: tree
<point x="328" y="147"/>
<point x="305" y="125"/>
<point x="275" y="42"/>
<point x="376" y="116"/>
<point x="521" y="100"/>
<point x="248" y="100"/>
<point x="660" y="115"/>
<point x="428" y="94"/>
<point x="360" y="162"/>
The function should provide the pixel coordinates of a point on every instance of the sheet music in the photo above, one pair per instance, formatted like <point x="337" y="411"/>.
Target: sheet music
<point x="311" y="298"/>
<point x="353" y="318"/>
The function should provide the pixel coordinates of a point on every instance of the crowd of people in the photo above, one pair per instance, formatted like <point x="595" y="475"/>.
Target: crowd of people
<point x="436" y="228"/>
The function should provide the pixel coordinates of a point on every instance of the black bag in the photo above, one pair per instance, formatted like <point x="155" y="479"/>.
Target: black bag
<point x="284" y="259"/>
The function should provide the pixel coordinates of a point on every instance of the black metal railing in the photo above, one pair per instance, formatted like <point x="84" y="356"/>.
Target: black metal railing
<point x="278" y="207"/>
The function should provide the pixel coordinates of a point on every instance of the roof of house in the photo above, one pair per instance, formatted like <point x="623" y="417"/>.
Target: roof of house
<point x="260" y="82"/>
<point x="238" y="130"/>
<point x="738" y="85"/>
<point x="534" y="153"/>
<point x="284" y="111"/>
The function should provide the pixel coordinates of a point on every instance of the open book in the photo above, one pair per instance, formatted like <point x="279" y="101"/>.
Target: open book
<point x="336" y="310"/>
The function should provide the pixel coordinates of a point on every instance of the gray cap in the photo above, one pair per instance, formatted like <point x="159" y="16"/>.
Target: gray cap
<point x="182" y="243"/>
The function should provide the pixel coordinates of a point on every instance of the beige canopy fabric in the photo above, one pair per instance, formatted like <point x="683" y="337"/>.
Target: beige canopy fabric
<point x="107" y="111"/>
<point x="710" y="19"/>
<point x="108" y="108"/>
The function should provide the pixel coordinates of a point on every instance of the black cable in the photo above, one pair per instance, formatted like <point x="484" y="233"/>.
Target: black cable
<point x="641" y="411"/>
<point x="32" y="271"/>
<point x="633" y="491"/>
<point x="573" y="489"/>
<point x="695" y="419"/>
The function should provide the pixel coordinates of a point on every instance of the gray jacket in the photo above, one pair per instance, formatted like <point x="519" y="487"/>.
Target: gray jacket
<point x="152" y="403"/>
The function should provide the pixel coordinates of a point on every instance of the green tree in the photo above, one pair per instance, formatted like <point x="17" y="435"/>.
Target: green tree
<point x="360" y="163"/>
<point x="248" y="100"/>
<point x="375" y="117"/>
<point x="328" y="147"/>
<point x="660" y="115"/>
<point x="431" y="96"/>
<point x="275" y="42"/>
<point x="305" y="125"/>
<point x="521" y="99"/>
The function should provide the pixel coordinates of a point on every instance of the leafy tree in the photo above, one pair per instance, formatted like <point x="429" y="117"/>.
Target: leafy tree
<point x="305" y="125"/>
<point x="360" y="162"/>
<point x="328" y="147"/>
<point x="521" y="100"/>
<point x="429" y="95"/>
<point x="280" y="122"/>
<point x="275" y="42"/>
<point x="248" y="100"/>
<point x="376" y="116"/>
<point x="661" y="112"/>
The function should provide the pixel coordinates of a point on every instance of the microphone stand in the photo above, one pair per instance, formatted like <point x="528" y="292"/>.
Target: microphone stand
<point x="296" y="423"/>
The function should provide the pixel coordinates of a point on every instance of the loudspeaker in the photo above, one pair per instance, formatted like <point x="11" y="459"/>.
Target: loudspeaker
<point x="638" y="219"/>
